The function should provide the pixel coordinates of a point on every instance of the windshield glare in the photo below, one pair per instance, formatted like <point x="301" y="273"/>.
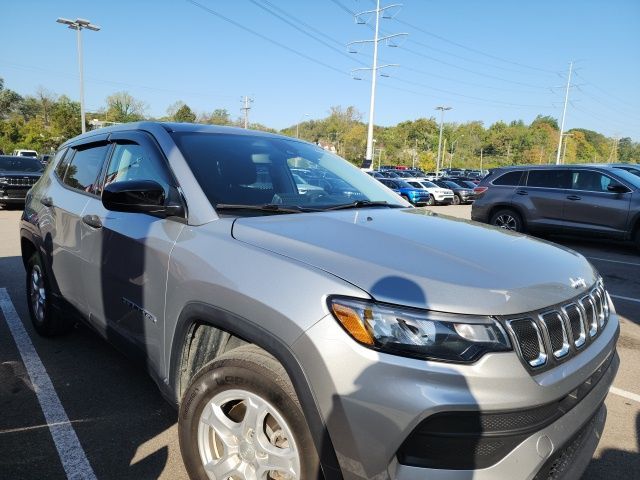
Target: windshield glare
<point x="237" y="169"/>
<point x="20" y="164"/>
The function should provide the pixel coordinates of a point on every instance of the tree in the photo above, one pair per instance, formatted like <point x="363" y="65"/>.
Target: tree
<point x="184" y="114"/>
<point x="122" y="107"/>
<point x="65" y="119"/>
<point x="220" y="116"/>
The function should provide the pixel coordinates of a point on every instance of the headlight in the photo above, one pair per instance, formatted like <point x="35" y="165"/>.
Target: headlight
<point x="3" y="180"/>
<point x="419" y="333"/>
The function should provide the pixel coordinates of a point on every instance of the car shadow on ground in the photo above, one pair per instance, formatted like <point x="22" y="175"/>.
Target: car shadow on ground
<point x="616" y="464"/>
<point x="115" y="408"/>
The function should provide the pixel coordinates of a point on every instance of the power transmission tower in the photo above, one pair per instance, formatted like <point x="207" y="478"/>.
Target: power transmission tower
<point x="613" y="154"/>
<point x="362" y="18"/>
<point x="246" y="106"/>
<point x="564" y="113"/>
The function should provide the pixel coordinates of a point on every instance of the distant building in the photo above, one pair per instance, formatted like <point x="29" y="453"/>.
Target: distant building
<point x="327" y="146"/>
<point x="95" y="124"/>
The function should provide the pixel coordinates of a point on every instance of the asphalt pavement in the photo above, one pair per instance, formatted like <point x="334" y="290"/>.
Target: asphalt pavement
<point x="125" y="430"/>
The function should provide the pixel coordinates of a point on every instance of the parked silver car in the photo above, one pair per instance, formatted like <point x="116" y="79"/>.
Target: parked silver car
<point x="292" y="347"/>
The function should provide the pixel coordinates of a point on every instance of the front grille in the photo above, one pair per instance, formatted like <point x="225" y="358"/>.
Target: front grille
<point x="562" y="331"/>
<point x="22" y="182"/>
<point x="529" y="340"/>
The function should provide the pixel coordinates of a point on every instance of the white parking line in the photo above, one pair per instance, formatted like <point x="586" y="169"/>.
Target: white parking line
<point x="623" y="393"/>
<point x="74" y="461"/>
<point x="628" y="299"/>
<point x="633" y="264"/>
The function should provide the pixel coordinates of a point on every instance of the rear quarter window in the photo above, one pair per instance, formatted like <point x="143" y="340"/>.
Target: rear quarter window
<point x="549" y="178"/>
<point x="509" y="179"/>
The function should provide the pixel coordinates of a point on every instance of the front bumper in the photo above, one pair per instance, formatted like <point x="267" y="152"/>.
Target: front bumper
<point x="371" y="402"/>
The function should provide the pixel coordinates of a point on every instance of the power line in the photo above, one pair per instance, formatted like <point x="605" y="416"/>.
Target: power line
<point x="475" y="50"/>
<point x="305" y="32"/>
<point x="264" y="37"/>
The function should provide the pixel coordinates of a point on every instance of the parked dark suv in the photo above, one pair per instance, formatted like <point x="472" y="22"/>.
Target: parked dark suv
<point x="17" y="176"/>
<point x="599" y="200"/>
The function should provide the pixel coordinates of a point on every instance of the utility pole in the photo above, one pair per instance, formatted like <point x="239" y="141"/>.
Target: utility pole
<point x="78" y="25"/>
<point x="564" y="150"/>
<point x="442" y="109"/>
<point x="360" y="18"/>
<point x="415" y="154"/>
<point x="564" y="112"/>
<point x="246" y="102"/>
<point x="481" y="159"/>
<point x="453" y="145"/>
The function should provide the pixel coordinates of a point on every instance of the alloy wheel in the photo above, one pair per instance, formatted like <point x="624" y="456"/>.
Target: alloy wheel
<point x="506" y="221"/>
<point x="38" y="293"/>
<point x="242" y="436"/>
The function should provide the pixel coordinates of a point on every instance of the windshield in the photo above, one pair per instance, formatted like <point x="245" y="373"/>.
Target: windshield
<point x="260" y="170"/>
<point x="428" y="184"/>
<point x="20" y="164"/>
<point x="403" y="184"/>
<point x="631" y="176"/>
<point x="451" y="184"/>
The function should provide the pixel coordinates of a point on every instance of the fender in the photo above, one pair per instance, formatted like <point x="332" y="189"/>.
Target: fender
<point x="256" y="334"/>
<point x="635" y="219"/>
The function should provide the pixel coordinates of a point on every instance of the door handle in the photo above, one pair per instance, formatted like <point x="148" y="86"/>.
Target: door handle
<point x="574" y="197"/>
<point x="46" y="201"/>
<point x="92" y="220"/>
<point x="522" y="192"/>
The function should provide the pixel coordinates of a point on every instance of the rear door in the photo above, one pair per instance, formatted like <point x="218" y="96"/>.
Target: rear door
<point x="127" y="254"/>
<point x="542" y="198"/>
<point x="592" y="207"/>
<point x="61" y="220"/>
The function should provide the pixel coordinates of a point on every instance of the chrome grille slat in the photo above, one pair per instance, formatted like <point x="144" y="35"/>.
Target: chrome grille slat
<point x="21" y="182"/>
<point x="576" y="315"/>
<point x="550" y="336"/>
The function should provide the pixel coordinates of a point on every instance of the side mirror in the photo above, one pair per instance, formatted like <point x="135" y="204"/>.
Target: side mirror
<point x="138" y="196"/>
<point x="617" y="188"/>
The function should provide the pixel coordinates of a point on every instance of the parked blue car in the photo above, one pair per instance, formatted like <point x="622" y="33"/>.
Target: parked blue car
<point x="416" y="196"/>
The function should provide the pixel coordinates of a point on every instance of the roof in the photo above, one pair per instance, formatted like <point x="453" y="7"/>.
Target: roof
<point x="178" y="127"/>
<point x="563" y="166"/>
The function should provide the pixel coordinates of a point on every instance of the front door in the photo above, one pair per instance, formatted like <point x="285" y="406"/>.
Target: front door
<point x="128" y="254"/>
<point x="592" y="207"/>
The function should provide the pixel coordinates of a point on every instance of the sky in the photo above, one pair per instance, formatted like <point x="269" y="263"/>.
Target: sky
<point x="489" y="60"/>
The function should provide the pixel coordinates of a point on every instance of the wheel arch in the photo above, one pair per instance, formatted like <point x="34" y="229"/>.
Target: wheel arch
<point x="197" y="315"/>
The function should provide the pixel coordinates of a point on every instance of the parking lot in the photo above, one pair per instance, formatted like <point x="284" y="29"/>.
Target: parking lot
<point x="126" y="430"/>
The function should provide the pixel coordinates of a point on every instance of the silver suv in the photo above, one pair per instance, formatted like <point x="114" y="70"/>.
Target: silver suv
<point x="598" y="200"/>
<point x="292" y="347"/>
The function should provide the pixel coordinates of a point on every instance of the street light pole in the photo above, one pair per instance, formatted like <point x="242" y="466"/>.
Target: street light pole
<point x="442" y="109"/>
<point x="78" y="25"/>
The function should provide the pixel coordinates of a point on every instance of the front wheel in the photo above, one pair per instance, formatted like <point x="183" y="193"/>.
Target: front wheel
<point x="456" y="200"/>
<point x="240" y="418"/>
<point x="507" y="219"/>
<point x="431" y="201"/>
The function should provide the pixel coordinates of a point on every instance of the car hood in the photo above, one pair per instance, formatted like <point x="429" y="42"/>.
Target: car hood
<point x="417" y="258"/>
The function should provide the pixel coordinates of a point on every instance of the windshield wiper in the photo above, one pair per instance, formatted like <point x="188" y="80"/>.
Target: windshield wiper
<point x="268" y="207"/>
<point x="363" y="204"/>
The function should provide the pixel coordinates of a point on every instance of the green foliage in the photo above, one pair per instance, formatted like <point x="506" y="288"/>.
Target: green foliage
<point x="123" y="108"/>
<point x="43" y="121"/>
<point x="184" y="114"/>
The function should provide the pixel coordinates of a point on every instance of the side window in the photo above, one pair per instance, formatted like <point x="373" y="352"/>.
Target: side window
<point x="82" y="173"/>
<point x="61" y="165"/>
<point x="549" y="178"/>
<point x="509" y="178"/>
<point x="591" y="181"/>
<point x="131" y="161"/>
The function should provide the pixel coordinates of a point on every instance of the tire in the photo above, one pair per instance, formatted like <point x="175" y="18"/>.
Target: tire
<point x="456" y="200"/>
<point x="431" y="201"/>
<point x="46" y="320"/>
<point x="508" y="219"/>
<point x="244" y="376"/>
<point x="406" y="198"/>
